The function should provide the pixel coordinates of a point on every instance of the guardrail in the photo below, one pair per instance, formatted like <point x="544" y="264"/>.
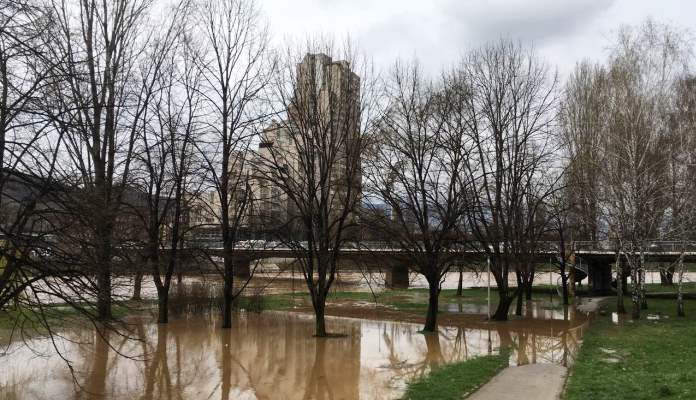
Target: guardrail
<point x="650" y="246"/>
<point x="215" y="242"/>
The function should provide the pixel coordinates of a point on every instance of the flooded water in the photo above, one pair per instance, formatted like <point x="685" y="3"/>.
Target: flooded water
<point x="273" y="281"/>
<point x="269" y="280"/>
<point x="272" y="356"/>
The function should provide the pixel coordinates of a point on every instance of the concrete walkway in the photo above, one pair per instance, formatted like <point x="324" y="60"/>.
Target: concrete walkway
<point x="592" y="304"/>
<point x="528" y="382"/>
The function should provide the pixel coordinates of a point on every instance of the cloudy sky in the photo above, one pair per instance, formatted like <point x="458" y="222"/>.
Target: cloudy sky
<point x="437" y="32"/>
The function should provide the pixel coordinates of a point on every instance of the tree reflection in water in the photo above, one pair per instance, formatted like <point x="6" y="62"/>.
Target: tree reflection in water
<point x="272" y="355"/>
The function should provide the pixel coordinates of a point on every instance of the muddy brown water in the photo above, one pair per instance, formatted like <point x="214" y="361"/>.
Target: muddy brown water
<point x="272" y="355"/>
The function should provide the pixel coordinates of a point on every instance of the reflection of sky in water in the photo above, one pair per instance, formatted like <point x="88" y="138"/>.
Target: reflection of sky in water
<point x="267" y="356"/>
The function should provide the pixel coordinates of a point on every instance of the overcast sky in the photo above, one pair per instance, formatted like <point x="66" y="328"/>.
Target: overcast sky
<point x="437" y="32"/>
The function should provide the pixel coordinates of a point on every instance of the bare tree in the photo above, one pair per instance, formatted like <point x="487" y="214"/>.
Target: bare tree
<point x="510" y="115"/>
<point x="560" y="229"/>
<point x="415" y="164"/>
<point x="313" y="158"/>
<point x="582" y="121"/>
<point x="682" y="151"/>
<point x="40" y="264"/>
<point x="36" y="266"/>
<point x="165" y="151"/>
<point x="97" y="105"/>
<point x="634" y="162"/>
<point x="25" y="31"/>
<point x="234" y="65"/>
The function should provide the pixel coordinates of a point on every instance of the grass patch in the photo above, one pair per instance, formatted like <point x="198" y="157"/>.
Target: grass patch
<point x="638" y="360"/>
<point x="402" y="299"/>
<point x="268" y="302"/>
<point x="26" y="317"/>
<point x="687" y="287"/>
<point x="31" y="322"/>
<point x="455" y="381"/>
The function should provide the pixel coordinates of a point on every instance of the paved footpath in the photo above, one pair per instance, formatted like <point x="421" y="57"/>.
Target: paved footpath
<point x="533" y="381"/>
<point x="528" y="382"/>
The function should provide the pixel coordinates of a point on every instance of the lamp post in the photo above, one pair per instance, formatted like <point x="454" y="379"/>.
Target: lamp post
<point x="488" y="270"/>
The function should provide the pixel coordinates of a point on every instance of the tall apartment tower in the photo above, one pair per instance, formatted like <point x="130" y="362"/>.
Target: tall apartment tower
<point x="325" y="103"/>
<point x="330" y="91"/>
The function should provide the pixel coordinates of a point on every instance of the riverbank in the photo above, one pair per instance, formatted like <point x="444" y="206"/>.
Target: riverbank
<point x="647" y="359"/>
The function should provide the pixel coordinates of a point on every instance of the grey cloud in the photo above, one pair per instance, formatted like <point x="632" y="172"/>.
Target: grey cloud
<point x="535" y="21"/>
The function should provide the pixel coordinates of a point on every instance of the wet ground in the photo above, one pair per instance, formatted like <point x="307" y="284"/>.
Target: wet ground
<point x="273" y="355"/>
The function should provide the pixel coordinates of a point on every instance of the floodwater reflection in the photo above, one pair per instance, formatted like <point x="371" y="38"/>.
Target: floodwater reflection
<point x="266" y="356"/>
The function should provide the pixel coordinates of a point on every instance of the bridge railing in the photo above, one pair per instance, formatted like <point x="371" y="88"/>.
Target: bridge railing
<point x="212" y="241"/>
<point x="651" y="246"/>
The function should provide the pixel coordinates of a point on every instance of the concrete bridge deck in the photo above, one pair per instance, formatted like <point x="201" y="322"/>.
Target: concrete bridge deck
<point x="594" y="257"/>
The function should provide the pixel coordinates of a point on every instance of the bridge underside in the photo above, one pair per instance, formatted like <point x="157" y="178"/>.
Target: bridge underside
<point x="599" y="278"/>
<point x="396" y="277"/>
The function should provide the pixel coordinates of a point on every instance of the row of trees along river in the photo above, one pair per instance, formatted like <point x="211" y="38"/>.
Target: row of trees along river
<point x="119" y="118"/>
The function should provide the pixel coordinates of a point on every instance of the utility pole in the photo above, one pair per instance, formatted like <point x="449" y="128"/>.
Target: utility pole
<point x="488" y="270"/>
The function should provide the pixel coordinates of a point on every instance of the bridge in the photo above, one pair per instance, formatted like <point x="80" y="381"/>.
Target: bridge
<point x="594" y="259"/>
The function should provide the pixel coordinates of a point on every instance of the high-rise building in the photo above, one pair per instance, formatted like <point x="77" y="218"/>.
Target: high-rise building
<point x="324" y="112"/>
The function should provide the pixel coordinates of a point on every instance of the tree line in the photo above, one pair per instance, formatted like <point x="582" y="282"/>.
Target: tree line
<point x="117" y="119"/>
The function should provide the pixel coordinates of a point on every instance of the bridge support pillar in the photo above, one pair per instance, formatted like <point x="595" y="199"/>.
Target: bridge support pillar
<point x="600" y="278"/>
<point x="242" y="268"/>
<point x="397" y="277"/>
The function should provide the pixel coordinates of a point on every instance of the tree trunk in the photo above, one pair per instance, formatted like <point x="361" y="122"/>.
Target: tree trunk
<point x="504" y="301"/>
<point x="680" y="293"/>
<point x="620" y="307"/>
<point x="528" y="280"/>
<point x="461" y="279"/>
<point x="163" y="305"/>
<point x="520" y="289"/>
<point x="104" y="275"/>
<point x="564" y="286"/>
<point x="635" y="295"/>
<point x="667" y="276"/>
<point x="643" y="300"/>
<point x="319" y="315"/>
<point x="431" y="316"/>
<point x="227" y="295"/>
<point x="104" y="292"/>
<point x="137" y="285"/>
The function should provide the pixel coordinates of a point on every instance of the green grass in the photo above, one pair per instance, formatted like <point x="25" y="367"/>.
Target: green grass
<point x="640" y="360"/>
<point x="267" y="302"/>
<point x="31" y="321"/>
<point x="403" y="299"/>
<point x="687" y="287"/>
<point x="455" y="381"/>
